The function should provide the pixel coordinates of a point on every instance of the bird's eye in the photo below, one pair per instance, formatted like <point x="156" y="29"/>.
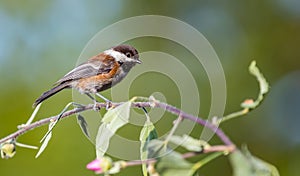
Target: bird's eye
<point x="128" y="54"/>
<point x="120" y="62"/>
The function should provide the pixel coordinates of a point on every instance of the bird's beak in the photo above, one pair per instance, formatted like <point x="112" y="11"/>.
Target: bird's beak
<point x="138" y="61"/>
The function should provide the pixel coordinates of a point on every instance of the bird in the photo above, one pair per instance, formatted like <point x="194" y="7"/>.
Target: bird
<point x="98" y="73"/>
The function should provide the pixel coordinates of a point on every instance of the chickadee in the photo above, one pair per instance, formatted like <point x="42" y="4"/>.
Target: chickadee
<point x="98" y="73"/>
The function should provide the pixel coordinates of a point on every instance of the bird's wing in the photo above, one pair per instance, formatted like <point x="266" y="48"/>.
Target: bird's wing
<point x="88" y="69"/>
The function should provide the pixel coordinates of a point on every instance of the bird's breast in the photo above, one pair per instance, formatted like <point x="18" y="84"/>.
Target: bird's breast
<point x="99" y="82"/>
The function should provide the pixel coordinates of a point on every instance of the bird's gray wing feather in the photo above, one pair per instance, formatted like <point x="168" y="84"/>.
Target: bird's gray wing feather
<point x="86" y="69"/>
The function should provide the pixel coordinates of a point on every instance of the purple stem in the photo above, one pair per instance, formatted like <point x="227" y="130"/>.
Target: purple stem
<point x="198" y="120"/>
<point x="157" y="104"/>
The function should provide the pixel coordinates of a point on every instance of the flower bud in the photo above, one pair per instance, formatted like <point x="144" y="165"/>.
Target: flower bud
<point x="8" y="149"/>
<point x="100" y="165"/>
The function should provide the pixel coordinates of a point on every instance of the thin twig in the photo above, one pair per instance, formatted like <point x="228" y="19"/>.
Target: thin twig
<point x="175" y="125"/>
<point x="233" y="115"/>
<point x="155" y="104"/>
<point x="198" y="120"/>
<point x="218" y="148"/>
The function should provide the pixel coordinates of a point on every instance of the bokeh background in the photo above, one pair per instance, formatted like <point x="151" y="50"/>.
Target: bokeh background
<point x="41" y="40"/>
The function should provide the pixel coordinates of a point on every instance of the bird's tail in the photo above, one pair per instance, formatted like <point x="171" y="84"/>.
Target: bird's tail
<point x="50" y="92"/>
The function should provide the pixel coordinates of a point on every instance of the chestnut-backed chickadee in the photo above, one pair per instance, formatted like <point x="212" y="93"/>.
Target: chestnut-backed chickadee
<point x="99" y="73"/>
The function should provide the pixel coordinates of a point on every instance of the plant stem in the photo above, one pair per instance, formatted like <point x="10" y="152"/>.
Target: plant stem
<point x="207" y="159"/>
<point x="198" y="120"/>
<point x="233" y="115"/>
<point x="222" y="149"/>
<point x="175" y="125"/>
<point x="155" y="104"/>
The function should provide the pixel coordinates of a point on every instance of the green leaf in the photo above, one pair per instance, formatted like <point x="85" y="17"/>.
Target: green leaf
<point x="46" y="139"/>
<point x="262" y="167"/>
<point x="112" y="121"/>
<point x="263" y="86"/>
<point x="250" y="104"/>
<point x="173" y="164"/>
<point x="121" y="111"/>
<point x="83" y="125"/>
<point x="205" y="160"/>
<point x="156" y="148"/>
<point x="147" y="133"/>
<point x="240" y="164"/>
<point x="26" y="146"/>
<point x="245" y="164"/>
<point x="36" y="109"/>
<point x="189" y="143"/>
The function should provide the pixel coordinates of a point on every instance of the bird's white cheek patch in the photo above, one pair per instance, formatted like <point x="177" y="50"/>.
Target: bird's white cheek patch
<point x="115" y="54"/>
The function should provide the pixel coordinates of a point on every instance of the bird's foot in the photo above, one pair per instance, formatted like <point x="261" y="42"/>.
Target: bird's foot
<point x="96" y="107"/>
<point x="108" y="105"/>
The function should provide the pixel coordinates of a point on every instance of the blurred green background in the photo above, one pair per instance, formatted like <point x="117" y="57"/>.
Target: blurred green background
<point x="41" y="40"/>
